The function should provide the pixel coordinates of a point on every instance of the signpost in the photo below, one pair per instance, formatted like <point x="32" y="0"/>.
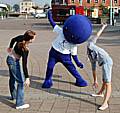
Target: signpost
<point x="111" y="13"/>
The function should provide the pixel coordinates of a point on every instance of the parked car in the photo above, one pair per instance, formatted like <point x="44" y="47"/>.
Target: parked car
<point x="41" y="15"/>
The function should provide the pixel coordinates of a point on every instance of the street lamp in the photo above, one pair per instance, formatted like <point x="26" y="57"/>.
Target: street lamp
<point x="111" y="14"/>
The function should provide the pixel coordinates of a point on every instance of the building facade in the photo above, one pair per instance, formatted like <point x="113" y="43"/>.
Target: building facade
<point x="26" y="6"/>
<point x="95" y="4"/>
<point x="89" y="3"/>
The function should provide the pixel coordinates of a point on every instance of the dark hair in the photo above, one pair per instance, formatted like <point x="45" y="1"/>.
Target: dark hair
<point x="28" y="35"/>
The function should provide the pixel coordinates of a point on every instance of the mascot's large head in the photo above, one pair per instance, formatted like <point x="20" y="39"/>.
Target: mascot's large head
<point x="77" y="29"/>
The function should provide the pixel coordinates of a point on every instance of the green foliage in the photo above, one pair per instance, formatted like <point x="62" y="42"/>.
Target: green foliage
<point x="9" y="7"/>
<point x="92" y="9"/>
<point x="101" y="6"/>
<point x="104" y="10"/>
<point x="16" y="8"/>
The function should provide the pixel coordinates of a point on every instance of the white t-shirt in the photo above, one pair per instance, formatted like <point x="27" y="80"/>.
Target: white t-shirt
<point x="61" y="45"/>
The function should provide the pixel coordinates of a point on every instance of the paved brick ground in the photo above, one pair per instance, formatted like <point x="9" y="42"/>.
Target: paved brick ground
<point x="64" y="96"/>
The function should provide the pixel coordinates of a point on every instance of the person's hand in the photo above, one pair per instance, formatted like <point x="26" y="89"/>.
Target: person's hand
<point x="27" y="82"/>
<point x="9" y="50"/>
<point x="80" y="65"/>
<point x="95" y="84"/>
<point x="104" y="24"/>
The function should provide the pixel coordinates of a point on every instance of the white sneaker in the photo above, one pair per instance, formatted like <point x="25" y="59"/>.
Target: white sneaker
<point x="103" y="107"/>
<point x="97" y="95"/>
<point x="24" y="106"/>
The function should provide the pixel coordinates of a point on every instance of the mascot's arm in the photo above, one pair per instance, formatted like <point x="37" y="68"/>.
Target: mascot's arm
<point x="51" y="19"/>
<point x="79" y="64"/>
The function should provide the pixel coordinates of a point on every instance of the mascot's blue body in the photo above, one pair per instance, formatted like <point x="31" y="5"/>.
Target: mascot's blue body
<point x="76" y="30"/>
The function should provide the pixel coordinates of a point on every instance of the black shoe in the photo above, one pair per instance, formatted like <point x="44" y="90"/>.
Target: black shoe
<point x="11" y="98"/>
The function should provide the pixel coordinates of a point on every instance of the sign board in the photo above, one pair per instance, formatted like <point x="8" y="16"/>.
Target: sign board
<point x="95" y="13"/>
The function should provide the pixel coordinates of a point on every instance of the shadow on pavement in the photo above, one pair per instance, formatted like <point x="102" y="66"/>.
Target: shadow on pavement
<point x="4" y="73"/>
<point x="6" y="100"/>
<point x="64" y="93"/>
<point x="110" y="42"/>
<point x="54" y="76"/>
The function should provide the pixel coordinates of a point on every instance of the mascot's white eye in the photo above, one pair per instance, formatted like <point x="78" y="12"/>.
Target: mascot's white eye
<point x="72" y="36"/>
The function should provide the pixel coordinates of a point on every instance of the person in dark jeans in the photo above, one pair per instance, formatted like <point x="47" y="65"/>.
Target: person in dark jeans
<point x="20" y="50"/>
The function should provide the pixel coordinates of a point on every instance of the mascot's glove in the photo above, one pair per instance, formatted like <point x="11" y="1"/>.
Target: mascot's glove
<point x="51" y="19"/>
<point x="79" y="64"/>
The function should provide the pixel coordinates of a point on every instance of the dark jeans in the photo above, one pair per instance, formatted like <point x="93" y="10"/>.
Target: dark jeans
<point x="16" y="75"/>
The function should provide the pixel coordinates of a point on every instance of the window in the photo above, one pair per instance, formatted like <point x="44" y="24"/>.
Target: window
<point x="115" y="1"/>
<point x="61" y="1"/>
<point x="80" y="1"/>
<point x="96" y="1"/>
<point x="72" y="1"/>
<point x="88" y="1"/>
<point x="103" y="1"/>
<point x="56" y="1"/>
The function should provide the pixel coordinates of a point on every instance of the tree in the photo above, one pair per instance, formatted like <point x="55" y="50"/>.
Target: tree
<point x="16" y="8"/>
<point x="9" y="7"/>
<point x="47" y="6"/>
<point x="101" y="6"/>
<point x="35" y="7"/>
<point x="104" y="10"/>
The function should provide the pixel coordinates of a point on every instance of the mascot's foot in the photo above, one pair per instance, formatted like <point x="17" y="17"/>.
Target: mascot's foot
<point x="81" y="83"/>
<point x="47" y="84"/>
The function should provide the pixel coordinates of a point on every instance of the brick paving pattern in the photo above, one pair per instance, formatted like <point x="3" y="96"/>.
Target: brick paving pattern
<point x="64" y="96"/>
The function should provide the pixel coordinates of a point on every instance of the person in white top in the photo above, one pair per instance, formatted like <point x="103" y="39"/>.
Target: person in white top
<point x="61" y="51"/>
<point x="97" y="54"/>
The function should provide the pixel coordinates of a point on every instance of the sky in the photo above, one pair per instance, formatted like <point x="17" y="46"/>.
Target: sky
<point x="12" y="2"/>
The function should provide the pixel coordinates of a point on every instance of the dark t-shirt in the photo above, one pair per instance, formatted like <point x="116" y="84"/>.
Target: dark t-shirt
<point x="21" y="52"/>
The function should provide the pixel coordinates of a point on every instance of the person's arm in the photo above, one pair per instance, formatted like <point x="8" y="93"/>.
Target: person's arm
<point x="99" y="32"/>
<point x="78" y="63"/>
<point x="95" y="83"/>
<point x="12" y="42"/>
<point x="9" y="49"/>
<point x="75" y="57"/>
<point x="24" y="63"/>
<point x="93" y="65"/>
<point x="25" y="69"/>
<point x="51" y="19"/>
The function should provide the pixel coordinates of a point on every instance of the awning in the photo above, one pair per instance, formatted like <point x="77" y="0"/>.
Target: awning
<point x="4" y="6"/>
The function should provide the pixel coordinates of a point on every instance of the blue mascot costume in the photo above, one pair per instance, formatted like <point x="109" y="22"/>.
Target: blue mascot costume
<point x="76" y="30"/>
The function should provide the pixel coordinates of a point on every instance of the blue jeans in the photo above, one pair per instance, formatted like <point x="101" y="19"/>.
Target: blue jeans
<point x="16" y="75"/>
